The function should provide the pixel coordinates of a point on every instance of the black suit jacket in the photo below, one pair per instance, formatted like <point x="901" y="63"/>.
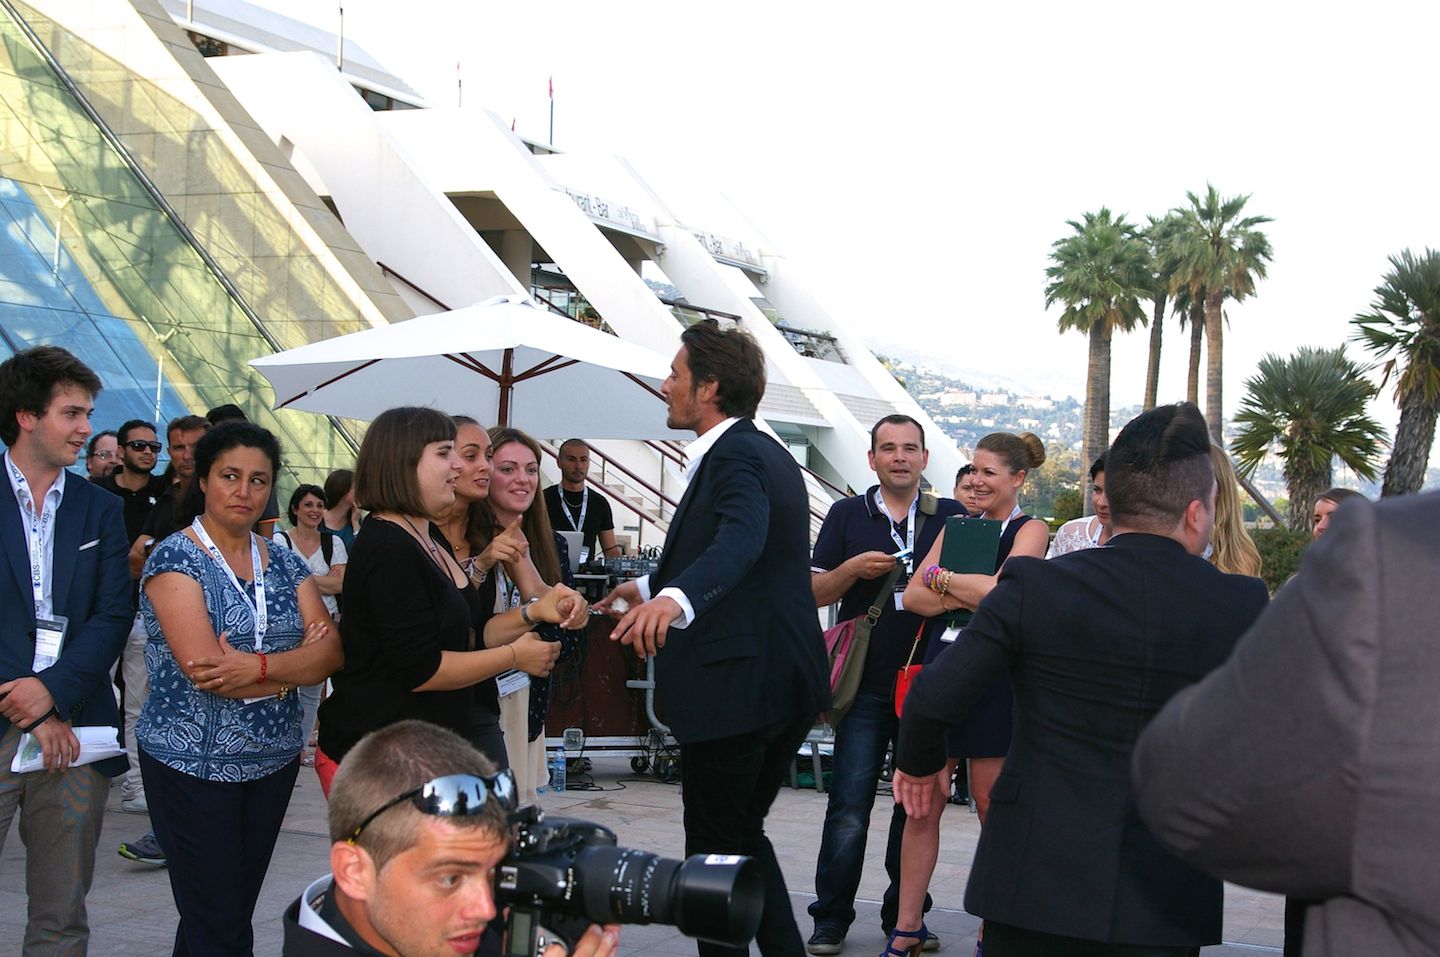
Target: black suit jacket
<point x="91" y="588"/>
<point x="1095" y="643"/>
<point x="739" y="548"/>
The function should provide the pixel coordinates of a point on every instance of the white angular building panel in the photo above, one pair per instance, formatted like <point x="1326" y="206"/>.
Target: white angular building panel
<point x="401" y="209"/>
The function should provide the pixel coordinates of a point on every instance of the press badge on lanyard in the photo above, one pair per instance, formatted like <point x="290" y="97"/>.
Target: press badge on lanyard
<point x="509" y="682"/>
<point x="49" y="637"/>
<point x="259" y="611"/>
<point x="905" y="546"/>
<point x="50" y="630"/>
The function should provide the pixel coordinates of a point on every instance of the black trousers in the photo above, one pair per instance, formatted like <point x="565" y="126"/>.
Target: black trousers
<point x="729" y="785"/>
<point x="1003" y="940"/>
<point x="218" y="838"/>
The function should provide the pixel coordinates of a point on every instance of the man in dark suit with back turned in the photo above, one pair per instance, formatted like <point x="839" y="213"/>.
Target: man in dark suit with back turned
<point x="64" y="611"/>
<point x="1095" y="642"/>
<point x="742" y="673"/>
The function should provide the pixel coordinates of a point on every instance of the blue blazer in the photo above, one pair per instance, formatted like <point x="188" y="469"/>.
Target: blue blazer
<point x="739" y="548"/>
<point x="92" y="588"/>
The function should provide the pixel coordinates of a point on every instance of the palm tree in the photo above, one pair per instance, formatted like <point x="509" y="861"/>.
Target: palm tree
<point x="1219" y="256"/>
<point x="1160" y="237"/>
<point x="1191" y="311"/>
<point x="1403" y="328"/>
<point x="1310" y="409"/>
<point x="1101" y="273"/>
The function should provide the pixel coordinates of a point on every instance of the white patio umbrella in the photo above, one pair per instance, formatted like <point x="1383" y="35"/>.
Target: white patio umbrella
<point x="506" y="361"/>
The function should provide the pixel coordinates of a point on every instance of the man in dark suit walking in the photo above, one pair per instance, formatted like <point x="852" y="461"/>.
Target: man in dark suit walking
<point x="1307" y="764"/>
<point x="1096" y="642"/>
<point x="64" y="612"/>
<point x="730" y="618"/>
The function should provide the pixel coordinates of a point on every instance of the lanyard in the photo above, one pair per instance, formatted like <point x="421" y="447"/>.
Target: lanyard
<point x="258" y="609"/>
<point x="906" y="544"/>
<point x="37" y="526"/>
<point x="584" y="506"/>
<point x="510" y="590"/>
<point x="1014" y="514"/>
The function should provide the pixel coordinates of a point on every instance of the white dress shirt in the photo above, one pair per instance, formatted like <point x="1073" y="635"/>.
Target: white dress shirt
<point x="38" y="524"/>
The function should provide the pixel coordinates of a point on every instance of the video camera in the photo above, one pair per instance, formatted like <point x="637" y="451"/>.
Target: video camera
<point x="562" y="875"/>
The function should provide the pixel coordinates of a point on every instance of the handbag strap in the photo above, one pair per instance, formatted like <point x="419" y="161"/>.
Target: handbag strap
<point x="886" y="588"/>
<point x="915" y="647"/>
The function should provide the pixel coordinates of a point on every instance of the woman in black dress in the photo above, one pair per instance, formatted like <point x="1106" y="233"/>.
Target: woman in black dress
<point x="419" y="641"/>
<point x="1001" y="462"/>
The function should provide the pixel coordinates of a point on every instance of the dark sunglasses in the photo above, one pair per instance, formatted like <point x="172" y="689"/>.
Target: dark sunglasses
<point x="455" y="795"/>
<point x="140" y="445"/>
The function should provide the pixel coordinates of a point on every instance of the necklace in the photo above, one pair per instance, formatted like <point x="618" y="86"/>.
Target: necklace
<point x="426" y="541"/>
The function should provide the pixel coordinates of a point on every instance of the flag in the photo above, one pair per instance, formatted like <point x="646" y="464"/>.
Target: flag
<point x="552" y="87"/>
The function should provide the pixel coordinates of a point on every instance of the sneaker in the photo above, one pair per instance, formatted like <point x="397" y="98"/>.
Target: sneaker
<point x="144" y="851"/>
<point x="135" y="805"/>
<point x="825" y="940"/>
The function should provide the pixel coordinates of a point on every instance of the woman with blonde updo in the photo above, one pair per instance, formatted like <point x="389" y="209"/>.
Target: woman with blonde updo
<point x="1002" y="461"/>
<point x="1232" y="550"/>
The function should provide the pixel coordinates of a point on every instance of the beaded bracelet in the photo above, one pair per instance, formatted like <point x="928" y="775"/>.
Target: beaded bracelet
<point x="264" y="664"/>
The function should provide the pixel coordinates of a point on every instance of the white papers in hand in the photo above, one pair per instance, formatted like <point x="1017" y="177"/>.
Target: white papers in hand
<point x="96" y="744"/>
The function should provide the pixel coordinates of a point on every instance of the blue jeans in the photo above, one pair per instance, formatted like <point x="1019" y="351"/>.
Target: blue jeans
<point x="861" y="740"/>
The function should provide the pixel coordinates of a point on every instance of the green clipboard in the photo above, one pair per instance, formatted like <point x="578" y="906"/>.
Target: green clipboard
<point x="971" y="545"/>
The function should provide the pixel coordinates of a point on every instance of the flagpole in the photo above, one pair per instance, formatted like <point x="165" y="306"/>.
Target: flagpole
<point x="552" y="111"/>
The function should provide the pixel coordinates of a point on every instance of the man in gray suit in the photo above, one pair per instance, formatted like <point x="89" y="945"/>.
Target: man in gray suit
<point x="1308" y="764"/>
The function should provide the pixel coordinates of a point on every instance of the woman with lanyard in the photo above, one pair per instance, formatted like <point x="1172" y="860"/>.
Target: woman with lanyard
<point x="517" y="510"/>
<point x="325" y="555"/>
<point x="233" y="625"/>
<point x="468" y="526"/>
<point x="419" y="642"/>
<point x="1001" y="462"/>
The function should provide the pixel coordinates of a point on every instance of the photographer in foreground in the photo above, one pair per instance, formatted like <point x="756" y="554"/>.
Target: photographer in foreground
<point x="419" y="821"/>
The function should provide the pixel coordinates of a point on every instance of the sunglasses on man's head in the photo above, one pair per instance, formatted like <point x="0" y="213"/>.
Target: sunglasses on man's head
<point x="454" y="795"/>
<point x="140" y="445"/>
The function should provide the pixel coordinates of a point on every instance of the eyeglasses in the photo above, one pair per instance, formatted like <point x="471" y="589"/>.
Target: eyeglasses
<point x="105" y="456"/>
<point x="454" y="795"/>
<point x="140" y="445"/>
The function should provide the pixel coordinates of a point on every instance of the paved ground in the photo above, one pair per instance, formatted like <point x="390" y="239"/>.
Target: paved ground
<point x="132" y="913"/>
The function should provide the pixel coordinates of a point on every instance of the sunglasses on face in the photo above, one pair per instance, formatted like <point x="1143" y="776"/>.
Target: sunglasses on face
<point x="454" y="795"/>
<point x="140" y="445"/>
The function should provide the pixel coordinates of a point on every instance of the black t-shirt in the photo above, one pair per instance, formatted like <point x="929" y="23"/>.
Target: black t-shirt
<point x="164" y="519"/>
<point x="138" y="504"/>
<point x="588" y="508"/>
<point x="854" y="525"/>
<point x="401" y="612"/>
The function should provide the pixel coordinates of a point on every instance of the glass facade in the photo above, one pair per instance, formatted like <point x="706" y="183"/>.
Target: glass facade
<point x="91" y="261"/>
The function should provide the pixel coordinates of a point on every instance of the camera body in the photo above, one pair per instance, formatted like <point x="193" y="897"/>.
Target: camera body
<point x="562" y="875"/>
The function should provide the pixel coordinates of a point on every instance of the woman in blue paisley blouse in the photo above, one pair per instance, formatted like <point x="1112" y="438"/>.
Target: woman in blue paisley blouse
<point x="233" y="625"/>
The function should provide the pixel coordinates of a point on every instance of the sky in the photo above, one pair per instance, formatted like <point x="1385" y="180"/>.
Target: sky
<point x="917" y="160"/>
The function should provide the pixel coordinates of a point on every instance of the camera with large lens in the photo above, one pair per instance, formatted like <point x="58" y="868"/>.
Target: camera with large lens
<point x="562" y="875"/>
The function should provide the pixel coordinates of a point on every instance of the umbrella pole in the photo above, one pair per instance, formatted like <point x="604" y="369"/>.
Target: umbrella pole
<point x="507" y="382"/>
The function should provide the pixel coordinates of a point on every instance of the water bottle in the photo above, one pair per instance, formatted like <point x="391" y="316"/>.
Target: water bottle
<point x="557" y="776"/>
